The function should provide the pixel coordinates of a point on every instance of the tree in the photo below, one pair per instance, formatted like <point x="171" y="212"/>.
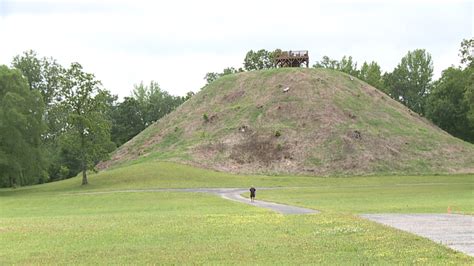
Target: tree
<point x="21" y="126"/>
<point x="346" y="65"/>
<point x="42" y="74"/>
<point x="327" y="62"/>
<point x="211" y="76"/>
<point x="448" y="106"/>
<point x="261" y="59"/>
<point x="128" y="120"/>
<point x="372" y="74"/>
<point x="87" y="135"/>
<point x="154" y="102"/>
<point x="410" y="81"/>
<point x="451" y="102"/>
<point x="469" y="97"/>
<point x="466" y="52"/>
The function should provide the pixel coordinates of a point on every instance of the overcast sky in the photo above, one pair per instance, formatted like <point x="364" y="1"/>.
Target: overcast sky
<point x="177" y="42"/>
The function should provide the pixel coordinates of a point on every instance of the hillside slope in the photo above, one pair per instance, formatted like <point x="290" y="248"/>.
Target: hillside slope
<point x="327" y="123"/>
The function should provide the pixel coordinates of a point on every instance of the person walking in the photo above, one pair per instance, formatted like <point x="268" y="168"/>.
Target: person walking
<point x="252" y="193"/>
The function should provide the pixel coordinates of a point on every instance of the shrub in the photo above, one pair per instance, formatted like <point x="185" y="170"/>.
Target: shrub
<point x="277" y="133"/>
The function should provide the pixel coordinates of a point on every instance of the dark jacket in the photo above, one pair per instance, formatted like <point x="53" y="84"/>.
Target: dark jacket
<point x="252" y="192"/>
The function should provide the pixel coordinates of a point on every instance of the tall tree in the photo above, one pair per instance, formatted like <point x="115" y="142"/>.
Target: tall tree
<point x="128" y="120"/>
<point x="469" y="97"/>
<point x="447" y="106"/>
<point x="87" y="134"/>
<point x="466" y="52"/>
<point x="42" y="74"/>
<point x="327" y="62"/>
<point x="372" y="74"/>
<point x="451" y="102"/>
<point x="347" y="65"/>
<point x="410" y="81"/>
<point x="154" y="102"/>
<point x="21" y="126"/>
<point x="261" y="59"/>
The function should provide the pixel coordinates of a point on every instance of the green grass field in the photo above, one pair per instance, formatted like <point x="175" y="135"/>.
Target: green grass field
<point x="56" y="224"/>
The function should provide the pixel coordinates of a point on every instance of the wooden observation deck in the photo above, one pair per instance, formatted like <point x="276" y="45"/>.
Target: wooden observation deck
<point x="292" y="59"/>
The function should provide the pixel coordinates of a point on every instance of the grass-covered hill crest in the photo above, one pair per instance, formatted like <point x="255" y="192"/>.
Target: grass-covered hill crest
<point x="298" y="121"/>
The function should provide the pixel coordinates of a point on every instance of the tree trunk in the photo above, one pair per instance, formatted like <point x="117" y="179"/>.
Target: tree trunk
<point x="12" y="182"/>
<point x="84" y="174"/>
<point x="83" y="157"/>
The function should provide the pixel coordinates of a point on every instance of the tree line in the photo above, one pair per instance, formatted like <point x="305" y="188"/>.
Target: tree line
<point x="448" y="102"/>
<point x="56" y="121"/>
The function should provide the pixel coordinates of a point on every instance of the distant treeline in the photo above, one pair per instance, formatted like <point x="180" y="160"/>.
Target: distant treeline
<point x="56" y="122"/>
<point x="448" y="102"/>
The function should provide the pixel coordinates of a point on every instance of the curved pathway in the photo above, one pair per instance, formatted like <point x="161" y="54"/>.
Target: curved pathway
<point x="233" y="194"/>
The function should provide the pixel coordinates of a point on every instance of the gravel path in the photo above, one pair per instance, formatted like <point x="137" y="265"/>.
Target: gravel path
<point x="453" y="230"/>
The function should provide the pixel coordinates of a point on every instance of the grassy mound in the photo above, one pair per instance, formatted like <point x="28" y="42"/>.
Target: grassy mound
<point x="326" y="123"/>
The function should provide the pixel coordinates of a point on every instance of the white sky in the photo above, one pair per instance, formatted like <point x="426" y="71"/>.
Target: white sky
<point x="177" y="42"/>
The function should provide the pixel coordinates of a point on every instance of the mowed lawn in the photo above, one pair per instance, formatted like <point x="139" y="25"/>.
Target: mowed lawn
<point x="424" y="197"/>
<point x="56" y="224"/>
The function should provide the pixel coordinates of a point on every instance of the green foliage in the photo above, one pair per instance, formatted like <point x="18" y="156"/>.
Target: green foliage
<point x="148" y="104"/>
<point x="261" y="59"/>
<point x="61" y="91"/>
<point x="327" y="62"/>
<point x="469" y="97"/>
<point x="87" y="134"/>
<point x="450" y="103"/>
<point x="205" y="117"/>
<point x="42" y="74"/>
<point x="154" y="102"/>
<point x="372" y="74"/>
<point x="128" y="120"/>
<point x="277" y="133"/>
<point x="410" y="81"/>
<point x="211" y="76"/>
<point x="346" y="65"/>
<point x="466" y="52"/>
<point x="21" y="126"/>
<point x="30" y="66"/>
